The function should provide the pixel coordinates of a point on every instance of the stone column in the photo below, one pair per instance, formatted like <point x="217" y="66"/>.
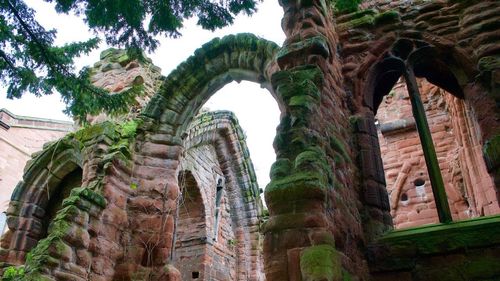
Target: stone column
<point x="314" y="225"/>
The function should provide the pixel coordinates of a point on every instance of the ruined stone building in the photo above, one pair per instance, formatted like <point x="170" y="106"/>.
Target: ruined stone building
<point x="165" y="193"/>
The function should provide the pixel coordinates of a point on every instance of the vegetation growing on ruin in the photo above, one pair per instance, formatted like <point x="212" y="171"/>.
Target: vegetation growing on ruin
<point x="346" y="5"/>
<point x="320" y="263"/>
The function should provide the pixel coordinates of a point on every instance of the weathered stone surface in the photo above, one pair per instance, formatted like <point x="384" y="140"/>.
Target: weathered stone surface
<point x="167" y="186"/>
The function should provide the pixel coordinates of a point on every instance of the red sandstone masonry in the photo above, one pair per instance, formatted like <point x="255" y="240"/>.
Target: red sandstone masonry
<point x="453" y="132"/>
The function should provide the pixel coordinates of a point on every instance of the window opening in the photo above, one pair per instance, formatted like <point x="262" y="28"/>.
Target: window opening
<point x="218" y="199"/>
<point x="424" y="134"/>
<point x="403" y="58"/>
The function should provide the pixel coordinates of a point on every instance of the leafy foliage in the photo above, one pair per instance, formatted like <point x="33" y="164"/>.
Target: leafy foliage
<point x="12" y="272"/>
<point x="348" y="6"/>
<point x="134" y="23"/>
<point x="30" y="62"/>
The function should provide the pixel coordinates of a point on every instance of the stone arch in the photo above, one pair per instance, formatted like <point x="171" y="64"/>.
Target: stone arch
<point x="221" y="129"/>
<point x="159" y="141"/>
<point x="442" y="65"/>
<point x="191" y="228"/>
<point x="39" y="194"/>
<point x="217" y="63"/>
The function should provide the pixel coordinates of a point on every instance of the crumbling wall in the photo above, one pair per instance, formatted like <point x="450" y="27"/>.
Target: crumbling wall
<point x="463" y="36"/>
<point x="118" y="71"/>
<point x="217" y="157"/>
<point x="197" y="249"/>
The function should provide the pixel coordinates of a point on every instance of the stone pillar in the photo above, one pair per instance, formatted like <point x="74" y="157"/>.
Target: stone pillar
<point x="314" y="227"/>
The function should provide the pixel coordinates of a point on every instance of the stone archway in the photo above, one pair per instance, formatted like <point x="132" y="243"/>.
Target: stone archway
<point x="165" y="121"/>
<point x="218" y="134"/>
<point x="48" y="178"/>
<point x="190" y="233"/>
<point x="448" y="70"/>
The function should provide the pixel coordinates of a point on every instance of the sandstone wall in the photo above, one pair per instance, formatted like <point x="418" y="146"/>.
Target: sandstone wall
<point x="455" y="35"/>
<point x="329" y="212"/>
<point x="197" y="249"/>
<point x="116" y="72"/>
<point x="116" y="235"/>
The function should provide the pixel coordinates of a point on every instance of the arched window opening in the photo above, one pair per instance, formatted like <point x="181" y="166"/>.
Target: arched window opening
<point x="63" y="190"/>
<point x="458" y="154"/>
<point x="428" y="138"/>
<point x="218" y="197"/>
<point x="218" y="144"/>
<point x="190" y="228"/>
<point x="258" y="115"/>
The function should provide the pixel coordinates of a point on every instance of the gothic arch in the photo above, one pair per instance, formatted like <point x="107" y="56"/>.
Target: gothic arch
<point x="220" y="129"/>
<point x="442" y="65"/>
<point x="30" y="208"/>
<point x="191" y="226"/>
<point x="217" y="63"/>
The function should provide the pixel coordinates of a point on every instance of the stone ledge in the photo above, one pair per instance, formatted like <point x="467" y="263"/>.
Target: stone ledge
<point x="464" y="250"/>
<point x="401" y="248"/>
<point x="471" y="233"/>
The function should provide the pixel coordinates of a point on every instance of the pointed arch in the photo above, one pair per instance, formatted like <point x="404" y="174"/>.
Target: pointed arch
<point x="50" y="175"/>
<point x="215" y="64"/>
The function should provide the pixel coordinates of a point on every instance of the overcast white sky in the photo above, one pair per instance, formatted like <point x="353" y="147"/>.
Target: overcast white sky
<point x="256" y="110"/>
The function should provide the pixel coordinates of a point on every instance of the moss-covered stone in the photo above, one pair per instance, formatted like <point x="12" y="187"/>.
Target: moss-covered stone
<point x="97" y="131"/>
<point x="89" y="195"/>
<point x="489" y="63"/>
<point x="386" y="17"/>
<point x="491" y="151"/>
<point x="320" y="263"/>
<point x="362" y="13"/>
<point x="296" y="186"/>
<point x="346" y="6"/>
<point x="339" y="147"/>
<point x="440" y="238"/>
<point x="280" y="168"/>
<point x="364" y="21"/>
<point x="311" y="46"/>
<point x="53" y="248"/>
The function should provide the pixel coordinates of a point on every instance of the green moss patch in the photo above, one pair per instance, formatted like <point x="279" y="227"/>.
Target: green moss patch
<point x="53" y="248"/>
<point x="386" y="17"/>
<point x="346" y="6"/>
<point x="441" y="238"/>
<point x="491" y="150"/>
<point x="318" y="263"/>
